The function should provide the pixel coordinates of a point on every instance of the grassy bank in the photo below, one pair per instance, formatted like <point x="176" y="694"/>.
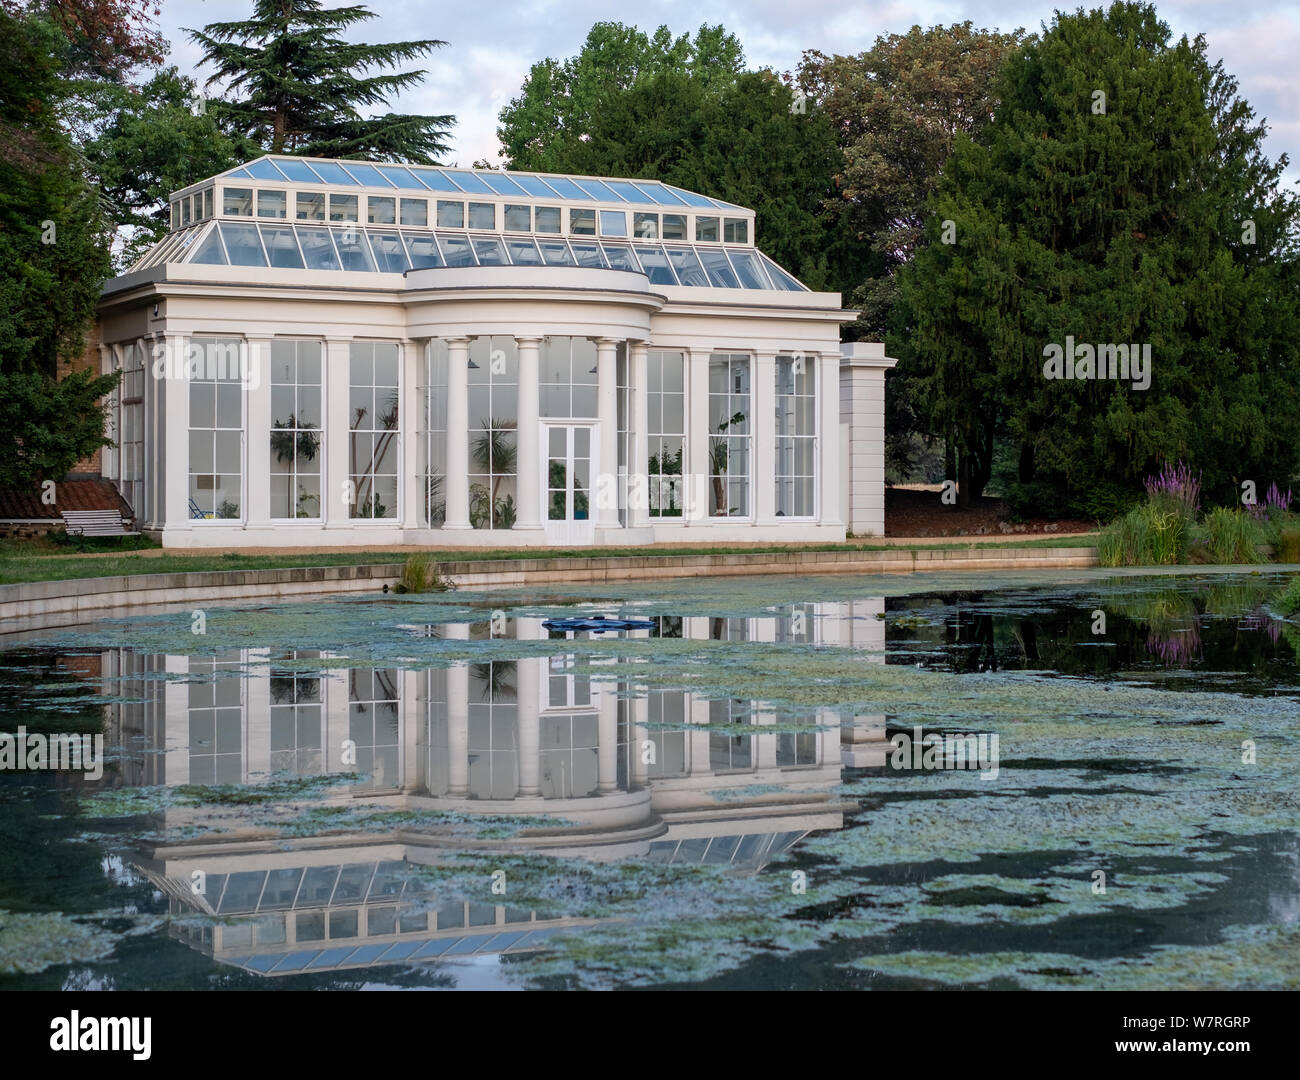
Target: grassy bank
<point x="21" y="562"/>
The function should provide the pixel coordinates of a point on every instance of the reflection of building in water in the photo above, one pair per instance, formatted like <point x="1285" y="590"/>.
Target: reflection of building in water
<point x="668" y="775"/>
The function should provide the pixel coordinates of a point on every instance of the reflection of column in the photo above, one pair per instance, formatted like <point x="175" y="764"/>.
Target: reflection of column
<point x="529" y="724"/>
<point x="638" y="509"/>
<point x="607" y="409"/>
<point x="408" y="728"/>
<point x="528" y="487"/>
<point x="457" y="482"/>
<point x="607" y="741"/>
<point x="176" y="720"/>
<point x="699" y="762"/>
<point x="640" y="734"/>
<point x="257" y="726"/>
<point x="765" y="743"/>
<point x="457" y="716"/>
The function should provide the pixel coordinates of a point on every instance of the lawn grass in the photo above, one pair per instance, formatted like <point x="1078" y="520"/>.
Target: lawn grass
<point x="24" y="561"/>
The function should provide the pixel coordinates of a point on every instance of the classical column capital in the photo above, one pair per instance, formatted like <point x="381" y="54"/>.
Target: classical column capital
<point x="529" y="340"/>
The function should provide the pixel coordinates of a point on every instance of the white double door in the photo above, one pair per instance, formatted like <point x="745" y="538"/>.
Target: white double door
<point x="570" y="465"/>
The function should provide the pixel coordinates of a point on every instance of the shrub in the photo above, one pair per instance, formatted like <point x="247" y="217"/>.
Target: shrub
<point x="1151" y="534"/>
<point x="1231" y="535"/>
<point x="1288" y="544"/>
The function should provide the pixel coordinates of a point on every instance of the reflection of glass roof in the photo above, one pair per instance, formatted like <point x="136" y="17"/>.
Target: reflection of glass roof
<point x="343" y="173"/>
<point x="751" y="850"/>
<point x="395" y="250"/>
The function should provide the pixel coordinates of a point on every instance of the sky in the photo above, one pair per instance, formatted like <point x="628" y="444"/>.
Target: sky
<point x="492" y="43"/>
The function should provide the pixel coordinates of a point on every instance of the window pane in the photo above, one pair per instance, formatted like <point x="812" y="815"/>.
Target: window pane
<point x="749" y="270"/>
<point x="719" y="269"/>
<point x="645" y="226"/>
<point x="482" y="216"/>
<point x="613" y="223"/>
<point x="310" y="205"/>
<point x="390" y="256"/>
<point x="423" y="250"/>
<point x="451" y="215"/>
<point x="655" y="265"/>
<point x="620" y="257"/>
<point x="588" y="255"/>
<point x="456" y="250"/>
<point x="343" y="207"/>
<point x="242" y="244"/>
<point x="237" y="201"/>
<point x="547" y="219"/>
<point x="381" y="210"/>
<point x="556" y="253"/>
<point x="415" y="211"/>
<point x="706" y="228"/>
<point x="272" y="204"/>
<point x="519" y="218"/>
<point x="490" y="252"/>
<point x="582" y="222"/>
<point x="736" y="231"/>
<point x="675" y="227"/>
<point x="524" y="252"/>
<point x="689" y="271"/>
<point x="318" y="249"/>
<point x="281" y="246"/>
<point x="353" y="250"/>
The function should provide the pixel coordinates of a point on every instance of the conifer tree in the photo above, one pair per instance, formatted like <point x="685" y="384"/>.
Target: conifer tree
<point x="293" y="84"/>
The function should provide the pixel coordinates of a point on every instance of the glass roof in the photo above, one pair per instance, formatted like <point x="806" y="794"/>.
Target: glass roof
<point x="347" y="173"/>
<point x="394" y="250"/>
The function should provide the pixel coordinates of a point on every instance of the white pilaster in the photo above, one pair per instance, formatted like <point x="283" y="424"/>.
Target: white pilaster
<point x="173" y="418"/>
<point x="457" y="483"/>
<point x="335" y="507"/>
<point x="528" y="483"/>
<point x="697" y="438"/>
<point x="829" y="511"/>
<point x="257" y="435"/>
<point x="861" y="404"/>
<point x="410" y="419"/>
<point x="638" y="510"/>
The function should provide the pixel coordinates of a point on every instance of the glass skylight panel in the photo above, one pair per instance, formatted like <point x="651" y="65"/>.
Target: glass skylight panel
<point x="613" y="223"/>
<point x="556" y="253"/>
<point x="500" y="183"/>
<point x="620" y="257"/>
<point x="400" y="177"/>
<point x="780" y="279"/>
<point x="318" y="249"/>
<point x="423" y="250"/>
<point x="657" y="194"/>
<point x="490" y="252"/>
<point x="237" y="174"/>
<point x="456" y="250"/>
<point x="523" y="252"/>
<point x="389" y="254"/>
<point x="629" y="192"/>
<point x="719" y="270"/>
<point x="469" y="182"/>
<point x="332" y="173"/>
<point x="598" y="190"/>
<point x="655" y="265"/>
<point x="567" y="189"/>
<point x="689" y="271"/>
<point x="435" y="180"/>
<point x="354" y="252"/>
<point x="210" y="252"/>
<point x="264" y="170"/>
<point x="535" y="185"/>
<point x="587" y="255"/>
<point x="368" y="174"/>
<point x="297" y="171"/>
<point x="242" y="243"/>
<point x="281" y="247"/>
<point x="749" y="270"/>
<point x="690" y="197"/>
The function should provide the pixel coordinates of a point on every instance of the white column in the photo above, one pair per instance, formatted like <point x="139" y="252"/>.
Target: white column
<point x="829" y="511"/>
<point x="607" y="410"/>
<point x="763" y="464"/>
<point x="457" y="483"/>
<point x="697" y="438"/>
<point x="411" y="420"/>
<point x="528" y="483"/>
<point x="639" y="449"/>
<point x="173" y="416"/>
<point x="257" y="438"/>
<point x="335" y="507"/>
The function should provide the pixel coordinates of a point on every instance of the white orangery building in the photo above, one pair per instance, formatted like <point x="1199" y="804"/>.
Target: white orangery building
<point x="340" y="352"/>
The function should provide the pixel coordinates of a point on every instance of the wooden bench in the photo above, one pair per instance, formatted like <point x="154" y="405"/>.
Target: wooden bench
<point x="95" y="523"/>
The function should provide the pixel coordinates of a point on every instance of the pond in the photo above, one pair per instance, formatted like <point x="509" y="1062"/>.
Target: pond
<point x="1068" y="779"/>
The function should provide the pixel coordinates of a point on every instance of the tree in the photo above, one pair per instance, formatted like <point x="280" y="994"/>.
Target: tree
<point x="293" y="84"/>
<point x="54" y="250"/>
<point x="106" y="38"/>
<point x="685" y="111"/>
<point x="1119" y="196"/>
<point x="146" y="142"/>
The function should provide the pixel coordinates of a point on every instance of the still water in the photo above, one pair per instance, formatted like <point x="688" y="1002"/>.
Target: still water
<point x="818" y="782"/>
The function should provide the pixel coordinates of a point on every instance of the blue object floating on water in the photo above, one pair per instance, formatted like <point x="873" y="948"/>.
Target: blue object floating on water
<point x="598" y="623"/>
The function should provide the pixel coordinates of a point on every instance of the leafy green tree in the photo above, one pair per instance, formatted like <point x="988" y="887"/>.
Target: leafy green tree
<point x="147" y="142"/>
<point x="1119" y="196"/>
<point x="686" y="111"/>
<point x="54" y="251"/>
<point x="293" y="84"/>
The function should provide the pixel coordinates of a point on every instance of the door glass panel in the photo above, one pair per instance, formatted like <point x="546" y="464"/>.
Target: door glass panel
<point x="582" y="442"/>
